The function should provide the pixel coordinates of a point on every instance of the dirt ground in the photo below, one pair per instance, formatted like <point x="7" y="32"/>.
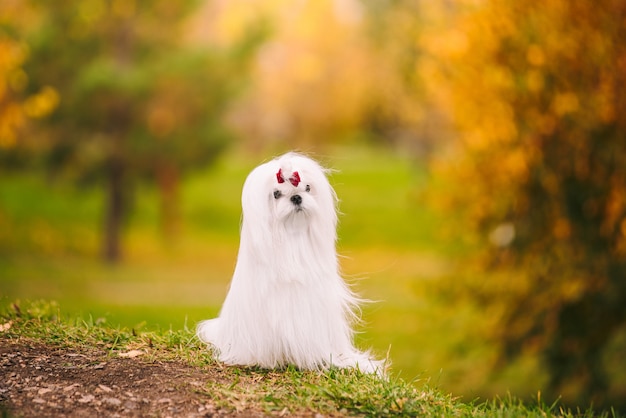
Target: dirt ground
<point x="41" y="381"/>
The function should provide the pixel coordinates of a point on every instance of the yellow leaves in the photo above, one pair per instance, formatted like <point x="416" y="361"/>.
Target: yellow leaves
<point x="18" y="80"/>
<point x="234" y="21"/>
<point x="534" y="81"/>
<point x="605" y="98"/>
<point x="573" y="288"/>
<point x="516" y="162"/>
<point x="13" y="79"/>
<point x="224" y="22"/>
<point x="42" y="104"/>
<point x="91" y="11"/>
<point x="308" y="67"/>
<point x="492" y="125"/>
<point x="315" y="78"/>
<point x="348" y="11"/>
<point x="535" y="55"/>
<point x="546" y="124"/>
<point x="15" y="110"/>
<point x="123" y="8"/>
<point x="451" y="43"/>
<point x="11" y="120"/>
<point x="13" y="55"/>
<point x="565" y="103"/>
<point x="562" y="229"/>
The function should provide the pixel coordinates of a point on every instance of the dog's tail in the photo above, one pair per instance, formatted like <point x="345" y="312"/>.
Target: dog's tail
<point x="207" y="331"/>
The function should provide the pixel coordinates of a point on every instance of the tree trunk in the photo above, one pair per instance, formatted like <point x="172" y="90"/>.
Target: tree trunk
<point x="119" y="126"/>
<point x="115" y="211"/>
<point x="168" y="179"/>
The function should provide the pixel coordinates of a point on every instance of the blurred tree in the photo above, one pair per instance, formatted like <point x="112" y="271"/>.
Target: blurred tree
<point x="399" y="113"/>
<point x="16" y="105"/>
<point x="138" y="99"/>
<point x="537" y="95"/>
<point x="311" y="85"/>
<point x="331" y="71"/>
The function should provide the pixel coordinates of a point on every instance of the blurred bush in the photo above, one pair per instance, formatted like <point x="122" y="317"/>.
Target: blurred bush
<point x="535" y="91"/>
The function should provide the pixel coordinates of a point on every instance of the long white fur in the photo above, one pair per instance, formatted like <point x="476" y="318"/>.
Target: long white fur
<point x="287" y="303"/>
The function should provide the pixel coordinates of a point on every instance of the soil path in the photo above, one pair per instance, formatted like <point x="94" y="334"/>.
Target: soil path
<point x="43" y="381"/>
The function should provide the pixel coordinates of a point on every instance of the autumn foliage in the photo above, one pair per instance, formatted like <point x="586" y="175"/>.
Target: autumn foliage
<point x="536" y="92"/>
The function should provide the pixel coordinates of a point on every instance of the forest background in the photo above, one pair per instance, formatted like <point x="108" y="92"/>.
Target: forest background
<point x="480" y="149"/>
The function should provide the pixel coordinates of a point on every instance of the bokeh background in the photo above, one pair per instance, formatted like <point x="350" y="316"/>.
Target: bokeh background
<point x="479" y="149"/>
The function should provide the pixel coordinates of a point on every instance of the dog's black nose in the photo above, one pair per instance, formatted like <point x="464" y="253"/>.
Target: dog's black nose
<point x="296" y="199"/>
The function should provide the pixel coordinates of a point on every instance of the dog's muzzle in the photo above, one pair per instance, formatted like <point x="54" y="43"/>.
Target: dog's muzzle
<point x="296" y="199"/>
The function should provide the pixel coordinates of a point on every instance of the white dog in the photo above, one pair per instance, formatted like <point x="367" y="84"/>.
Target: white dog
<point x="287" y="303"/>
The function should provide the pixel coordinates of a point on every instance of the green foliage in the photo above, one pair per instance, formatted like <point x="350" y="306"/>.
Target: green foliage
<point x="336" y="392"/>
<point x="131" y="89"/>
<point x="133" y="98"/>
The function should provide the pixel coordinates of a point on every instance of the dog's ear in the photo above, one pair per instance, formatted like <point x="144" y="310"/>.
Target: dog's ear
<point x="256" y="200"/>
<point x="314" y="175"/>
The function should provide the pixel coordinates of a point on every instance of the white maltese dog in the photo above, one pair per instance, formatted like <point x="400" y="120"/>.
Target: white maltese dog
<point x="287" y="303"/>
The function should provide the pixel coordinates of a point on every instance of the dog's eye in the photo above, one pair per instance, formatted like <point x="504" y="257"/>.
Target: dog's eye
<point x="308" y="188"/>
<point x="277" y="194"/>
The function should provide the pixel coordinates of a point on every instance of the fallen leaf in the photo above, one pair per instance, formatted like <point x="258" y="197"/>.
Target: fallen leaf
<point x="132" y="354"/>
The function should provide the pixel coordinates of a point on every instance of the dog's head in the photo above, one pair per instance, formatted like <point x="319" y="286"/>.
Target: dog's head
<point x="292" y="192"/>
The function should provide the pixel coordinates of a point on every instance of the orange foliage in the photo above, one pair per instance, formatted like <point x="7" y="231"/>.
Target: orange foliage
<point x="535" y="91"/>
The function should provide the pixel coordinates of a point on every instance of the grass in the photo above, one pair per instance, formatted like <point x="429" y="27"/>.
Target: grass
<point x="336" y="392"/>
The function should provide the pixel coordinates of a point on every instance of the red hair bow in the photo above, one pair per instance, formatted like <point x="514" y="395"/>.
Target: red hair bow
<point x="294" y="179"/>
